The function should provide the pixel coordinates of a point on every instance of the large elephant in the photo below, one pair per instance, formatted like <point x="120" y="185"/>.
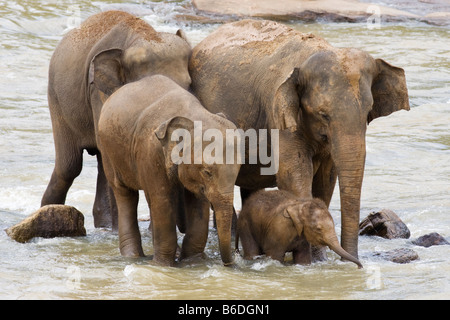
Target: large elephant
<point x="108" y="50"/>
<point x="277" y="221"/>
<point x="138" y="136"/>
<point x="262" y="74"/>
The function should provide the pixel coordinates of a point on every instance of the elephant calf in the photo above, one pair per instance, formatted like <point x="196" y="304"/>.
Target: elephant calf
<point x="276" y="222"/>
<point x="137" y="128"/>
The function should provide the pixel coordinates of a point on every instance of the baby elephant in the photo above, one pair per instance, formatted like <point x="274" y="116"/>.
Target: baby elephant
<point x="275" y="222"/>
<point x="139" y="131"/>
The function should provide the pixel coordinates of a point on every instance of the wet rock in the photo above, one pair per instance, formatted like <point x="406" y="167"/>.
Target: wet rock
<point x="402" y="255"/>
<point x="48" y="222"/>
<point x="436" y="12"/>
<point x="385" y="224"/>
<point x="285" y="10"/>
<point x="437" y="18"/>
<point x="431" y="239"/>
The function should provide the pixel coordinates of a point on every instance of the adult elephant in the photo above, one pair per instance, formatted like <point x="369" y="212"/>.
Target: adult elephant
<point x="264" y="75"/>
<point x="108" y="50"/>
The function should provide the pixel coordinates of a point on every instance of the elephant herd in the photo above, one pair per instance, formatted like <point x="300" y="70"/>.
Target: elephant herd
<point x="159" y="116"/>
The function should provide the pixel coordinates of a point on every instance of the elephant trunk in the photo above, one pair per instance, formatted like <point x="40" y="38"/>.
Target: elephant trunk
<point x="224" y="214"/>
<point x="349" y="155"/>
<point x="333" y="243"/>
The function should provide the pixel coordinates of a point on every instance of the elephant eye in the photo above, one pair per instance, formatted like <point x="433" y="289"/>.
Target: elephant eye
<point x="208" y="174"/>
<point x="324" y="116"/>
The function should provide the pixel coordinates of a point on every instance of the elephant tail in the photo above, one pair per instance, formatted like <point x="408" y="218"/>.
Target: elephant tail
<point x="236" y="241"/>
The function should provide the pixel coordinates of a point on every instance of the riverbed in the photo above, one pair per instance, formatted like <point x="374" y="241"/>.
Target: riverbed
<point x="407" y="171"/>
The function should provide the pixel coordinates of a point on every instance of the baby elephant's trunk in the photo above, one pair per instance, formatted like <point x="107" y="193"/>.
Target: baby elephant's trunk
<point x="336" y="247"/>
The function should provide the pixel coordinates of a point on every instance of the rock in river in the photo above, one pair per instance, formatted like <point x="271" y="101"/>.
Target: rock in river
<point x="401" y="255"/>
<point x="430" y="239"/>
<point x="385" y="224"/>
<point x="48" y="222"/>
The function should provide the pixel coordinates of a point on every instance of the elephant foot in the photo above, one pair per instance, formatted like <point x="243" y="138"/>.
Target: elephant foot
<point x="193" y="259"/>
<point x="132" y="253"/>
<point x="302" y="258"/>
<point x="318" y="253"/>
<point x="101" y="219"/>
<point x="105" y="215"/>
<point x="162" y="262"/>
<point x="131" y="247"/>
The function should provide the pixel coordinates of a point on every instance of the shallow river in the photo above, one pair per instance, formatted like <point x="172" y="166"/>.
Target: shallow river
<point x="407" y="170"/>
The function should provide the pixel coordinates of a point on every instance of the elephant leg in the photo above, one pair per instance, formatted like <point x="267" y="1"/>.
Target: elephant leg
<point x="163" y="211"/>
<point x="68" y="165"/>
<point x="249" y="245"/>
<point x="276" y="254"/>
<point x="181" y="213"/>
<point x="105" y="208"/>
<point x="295" y="173"/>
<point x="197" y="224"/>
<point x="302" y="253"/>
<point x="323" y="186"/>
<point x="129" y="234"/>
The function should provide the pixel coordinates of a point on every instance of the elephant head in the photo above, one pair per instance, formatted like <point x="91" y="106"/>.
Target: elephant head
<point x="116" y="59"/>
<point x="330" y="98"/>
<point x="313" y="219"/>
<point x="213" y="181"/>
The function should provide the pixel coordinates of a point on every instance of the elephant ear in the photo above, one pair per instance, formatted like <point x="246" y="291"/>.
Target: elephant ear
<point x="389" y="91"/>
<point x="182" y="35"/>
<point x="106" y="71"/>
<point x="220" y="114"/>
<point x="294" y="212"/>
<point x="175" y="137"/>
<point x="284" y="113"/>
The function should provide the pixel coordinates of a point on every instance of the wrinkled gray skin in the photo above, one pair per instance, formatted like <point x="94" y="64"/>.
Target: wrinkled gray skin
<point x="136" y="130"/>
<point x="276" y="222"/>
<point x="108" y="50"/>
<point x="264" y="75"/>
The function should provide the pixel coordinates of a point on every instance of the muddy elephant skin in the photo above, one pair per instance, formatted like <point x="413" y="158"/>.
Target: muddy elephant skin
<point x="276" y="222"/>
<point x="108" y="50"/>
<point x="137" y="127"/>
<point x="265" y="75"/>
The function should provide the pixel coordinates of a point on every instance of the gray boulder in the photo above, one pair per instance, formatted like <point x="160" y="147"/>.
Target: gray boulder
<point x="430" y="239"/>
<point x="385" y="224"/>
<point x="401" y="255"/>
<point x="48" y="222"/>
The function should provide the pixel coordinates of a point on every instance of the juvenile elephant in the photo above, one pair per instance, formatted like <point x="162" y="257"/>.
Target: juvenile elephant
<point x="108" y="50"/>
<point x="275" y="222"/>
<point x="138" y="136"/>
<point x="264" y="75"/>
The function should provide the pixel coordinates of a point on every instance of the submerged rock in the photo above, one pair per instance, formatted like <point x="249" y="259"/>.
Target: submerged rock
<point x="402" y="255"/>
<point x="430" y="239"/>
<point x="48" y="222"/>
<point x="385" y="224"/>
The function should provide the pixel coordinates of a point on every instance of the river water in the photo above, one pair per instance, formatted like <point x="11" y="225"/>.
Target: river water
<point x="407" y="170"/>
